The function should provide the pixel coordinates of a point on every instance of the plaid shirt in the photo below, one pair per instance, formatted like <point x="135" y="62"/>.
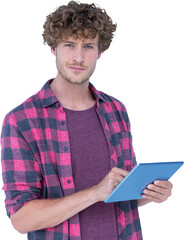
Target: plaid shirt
<point x="36" y="159"/>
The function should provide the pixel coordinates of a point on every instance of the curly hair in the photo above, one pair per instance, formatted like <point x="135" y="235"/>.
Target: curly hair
<point x="79" y="20"/>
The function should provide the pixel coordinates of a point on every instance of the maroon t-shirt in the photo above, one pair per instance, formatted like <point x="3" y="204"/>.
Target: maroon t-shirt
<point x="90" y="164"/>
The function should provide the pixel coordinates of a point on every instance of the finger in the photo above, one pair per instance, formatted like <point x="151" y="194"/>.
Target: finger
<point x="122" y="172"/>
<point x="115" y="176"/>
<point x="156" y="195"/>
<point x="151" y="198"/>
<point x="161" y="190"/>
<point x="164" y="184"/>
<point x="113" y="183"/>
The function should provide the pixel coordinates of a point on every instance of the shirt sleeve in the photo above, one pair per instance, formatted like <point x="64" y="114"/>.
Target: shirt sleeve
<point x="21" y="173"/>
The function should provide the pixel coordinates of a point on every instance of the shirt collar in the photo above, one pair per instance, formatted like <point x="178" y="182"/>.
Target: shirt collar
<point x="97" y="94"/>
<point x="48" y="98"/>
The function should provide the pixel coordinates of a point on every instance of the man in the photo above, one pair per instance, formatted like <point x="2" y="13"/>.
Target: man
<point x="67" y="147"/>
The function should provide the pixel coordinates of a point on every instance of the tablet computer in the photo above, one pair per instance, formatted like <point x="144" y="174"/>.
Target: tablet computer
<point x="132" y="186"/>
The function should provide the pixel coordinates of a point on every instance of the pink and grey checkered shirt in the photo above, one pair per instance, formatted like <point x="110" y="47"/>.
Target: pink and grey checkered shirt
<point x="36" y="159"/>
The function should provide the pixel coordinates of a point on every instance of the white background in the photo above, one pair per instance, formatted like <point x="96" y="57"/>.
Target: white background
<point x="144" y="68"/>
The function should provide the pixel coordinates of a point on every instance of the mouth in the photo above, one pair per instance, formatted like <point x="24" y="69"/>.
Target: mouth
<point x="76" y="69"/>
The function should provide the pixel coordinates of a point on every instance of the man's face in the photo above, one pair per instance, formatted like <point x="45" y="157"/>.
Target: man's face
<point x="76" y="59"/>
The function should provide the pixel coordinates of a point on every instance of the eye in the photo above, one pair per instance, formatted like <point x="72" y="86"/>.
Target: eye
<point x="88" y="47"/>
<point x="68" y="45"/>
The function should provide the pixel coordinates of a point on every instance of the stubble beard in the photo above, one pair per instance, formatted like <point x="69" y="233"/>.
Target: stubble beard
<point x="71" y="79"/>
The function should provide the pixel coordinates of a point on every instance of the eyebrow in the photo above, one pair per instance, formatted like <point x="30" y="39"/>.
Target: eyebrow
<point x="67" y="41"/>
<point x="85" y="43"/>
<point x="90" y="43"/>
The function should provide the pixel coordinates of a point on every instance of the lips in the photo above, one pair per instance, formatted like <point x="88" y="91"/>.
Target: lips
<point x="77" y="69"/>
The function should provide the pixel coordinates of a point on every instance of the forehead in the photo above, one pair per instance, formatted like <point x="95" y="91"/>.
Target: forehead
<point x="82" y="39"/>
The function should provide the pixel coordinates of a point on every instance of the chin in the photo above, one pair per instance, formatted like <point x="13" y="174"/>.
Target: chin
<point x="77" y="82"/>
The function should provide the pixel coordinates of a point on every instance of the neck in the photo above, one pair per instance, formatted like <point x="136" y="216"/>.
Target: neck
<point x="73" y="96"/>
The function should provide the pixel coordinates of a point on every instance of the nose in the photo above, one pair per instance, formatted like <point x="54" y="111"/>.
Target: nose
<point x="78" y="55"/>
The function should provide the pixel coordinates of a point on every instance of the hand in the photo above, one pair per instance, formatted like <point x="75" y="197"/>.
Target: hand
<point x="158" y="192"/>
<point x="109" y="183"/>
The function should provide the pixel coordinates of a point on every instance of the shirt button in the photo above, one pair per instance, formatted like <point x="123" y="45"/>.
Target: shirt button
<point x="57" y="105"/>
<point x="65" y="149"/>
<point x="68" y="181"/>
<point x="62" y="123"/>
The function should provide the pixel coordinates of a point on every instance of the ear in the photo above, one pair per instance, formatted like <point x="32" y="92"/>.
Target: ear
<point x="99" y="55"/>
<point x="53" y="50"/>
